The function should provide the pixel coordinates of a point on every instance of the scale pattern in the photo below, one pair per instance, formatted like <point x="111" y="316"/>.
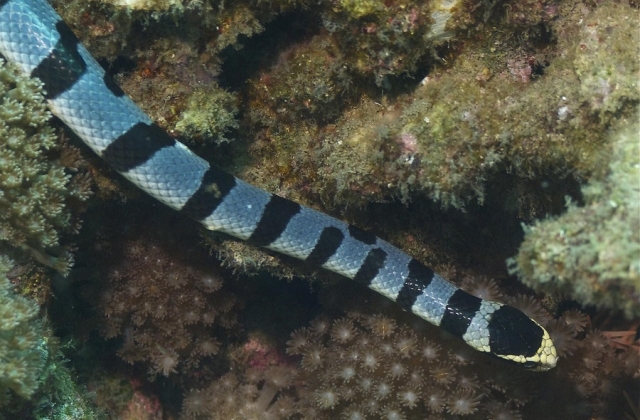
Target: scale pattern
<point x="97" y="110"/>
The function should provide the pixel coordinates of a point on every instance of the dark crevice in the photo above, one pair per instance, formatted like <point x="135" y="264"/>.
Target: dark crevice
<point x="261" y="51"/>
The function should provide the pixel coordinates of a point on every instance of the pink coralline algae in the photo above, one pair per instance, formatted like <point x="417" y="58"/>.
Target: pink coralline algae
<point x="408" y="143"/>
<point x="258" y="354"/>
<point x="521" y="69"/>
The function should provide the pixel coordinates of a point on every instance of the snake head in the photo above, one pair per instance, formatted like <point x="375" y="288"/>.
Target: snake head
<point x="515" y="337"/>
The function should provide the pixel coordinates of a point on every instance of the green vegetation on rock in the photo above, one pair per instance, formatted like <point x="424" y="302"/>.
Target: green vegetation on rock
<point x="592" y="252"/>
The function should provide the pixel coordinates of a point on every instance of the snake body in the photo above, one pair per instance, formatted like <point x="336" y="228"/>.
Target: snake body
<point x="80" y="93"/>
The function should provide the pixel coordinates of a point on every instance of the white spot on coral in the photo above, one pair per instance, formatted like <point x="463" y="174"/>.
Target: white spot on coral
<point x="563" y="112"/>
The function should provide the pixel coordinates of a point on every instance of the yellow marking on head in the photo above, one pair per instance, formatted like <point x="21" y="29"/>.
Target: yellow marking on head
<point x="546" y="356"/>
<point x="547" y="353"/>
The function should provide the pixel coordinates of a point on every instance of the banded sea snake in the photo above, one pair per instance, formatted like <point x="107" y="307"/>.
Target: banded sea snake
<point x="79" y="92"/>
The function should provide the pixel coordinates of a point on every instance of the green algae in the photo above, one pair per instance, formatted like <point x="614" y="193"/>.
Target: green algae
<point x="209" y="114"/>
<point x="489" y="113"/>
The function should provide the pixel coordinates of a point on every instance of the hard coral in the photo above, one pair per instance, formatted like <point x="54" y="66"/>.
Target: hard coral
<point x="607" y="59"/>
<point x="22" y="358"/>
<point x="310" y="81"/>
<point x="165" y="296"/>
<point x="35" y="189"/>
<point x="591" y="252"/>
<point x="208" y="114"/>
<point x="254" y="395"/>
<point x="368" y="366"/>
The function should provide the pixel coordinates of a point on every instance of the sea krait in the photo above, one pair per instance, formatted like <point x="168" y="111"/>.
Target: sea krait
<point x="78" y="91"/>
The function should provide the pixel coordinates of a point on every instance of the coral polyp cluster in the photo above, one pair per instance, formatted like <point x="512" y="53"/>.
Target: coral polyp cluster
<point x="22" y="358"/>
<point x="370" y="366"/>
<point x="250" y="396"/>
<point x="35" y="188"/>
<point x="165" y="298"/>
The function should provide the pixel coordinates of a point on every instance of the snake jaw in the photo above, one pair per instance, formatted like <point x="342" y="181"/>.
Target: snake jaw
<point x="547" y="355"/>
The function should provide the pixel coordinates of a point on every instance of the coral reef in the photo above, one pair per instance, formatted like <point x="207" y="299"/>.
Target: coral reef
<point x="372" y="366"/>
<point x="464" y="124"/>
<point x="369" y="366"/>
<point x="35" y="379"/>
<point x="162" y="295"/>
<point x="22" y="353"/>
<point x="520" y="114"/>
<point x="389" y="39"/>
<point x="505" y="83"/>
<point x="35" y="190"/>
<point x="392" y="115"/>
<point x="535" y="83"/>
<point x="590" y="253"/>
<point x="250" y="396"/>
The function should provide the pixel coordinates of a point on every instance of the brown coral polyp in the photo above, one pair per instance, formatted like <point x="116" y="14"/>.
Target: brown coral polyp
<point x="195" y="403"/>
<point x="435" y="400"/>
<point x="300" y="338"/>
<point x="313" y="358"/>
<point x="463" y="402"/>
<point x="563" y="336"/>
<point x="381" y="325"/>
<point x="342" y="331"/>
<point x="385" y="371"/>
<point x="165" y="362"/>
<point x="155" y="294"/>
